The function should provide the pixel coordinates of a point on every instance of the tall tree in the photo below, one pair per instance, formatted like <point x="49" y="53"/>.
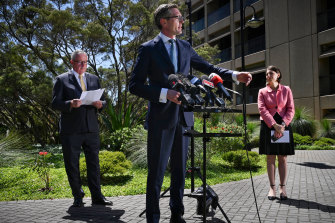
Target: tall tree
<point x="47" y="32"/>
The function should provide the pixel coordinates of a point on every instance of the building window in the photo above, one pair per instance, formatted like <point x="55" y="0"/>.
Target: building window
<point x="218" y="10"/>
<point x="327" y="76"/>
<point x="258" y="82"/>
<point x="245" y="2"/>
<point x="224" y="45"/>
<point x="326" y="15"/>
<point x="198" y="20"/>
<point x="254" y="41"/>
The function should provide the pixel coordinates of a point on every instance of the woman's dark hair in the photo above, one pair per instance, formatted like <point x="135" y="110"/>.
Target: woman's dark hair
<point x="275" y="69"/>
<point x="162" y="12"/>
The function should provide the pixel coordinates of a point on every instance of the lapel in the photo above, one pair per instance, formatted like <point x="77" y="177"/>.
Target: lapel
<point x="73" y="81"/>
<point x="87" y="77"/>
<point x="162" y="50"/>
<point x="182" y="55"/>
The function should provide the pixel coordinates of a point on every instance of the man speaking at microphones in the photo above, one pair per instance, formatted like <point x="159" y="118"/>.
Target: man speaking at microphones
<point x="166" y="121"/>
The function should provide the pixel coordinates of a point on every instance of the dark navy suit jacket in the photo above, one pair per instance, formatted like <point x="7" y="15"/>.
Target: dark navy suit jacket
<point x="76" y="120"/>
<point x="153" y="64"/>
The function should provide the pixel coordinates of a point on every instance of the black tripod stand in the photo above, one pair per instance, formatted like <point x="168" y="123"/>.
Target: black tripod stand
<point x="207" y="195"/>
<point x="206" y="190"/>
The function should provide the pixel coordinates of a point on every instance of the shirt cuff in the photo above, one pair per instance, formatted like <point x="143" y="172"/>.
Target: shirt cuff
<point x="234" y="77"/>
<point x="162" y="96"/>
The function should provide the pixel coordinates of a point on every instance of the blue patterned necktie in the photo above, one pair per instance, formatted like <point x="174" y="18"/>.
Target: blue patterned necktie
<point x="173" y="55"/>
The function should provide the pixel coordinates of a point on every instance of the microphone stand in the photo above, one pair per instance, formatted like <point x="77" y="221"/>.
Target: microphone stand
<point x="189" y="7"/>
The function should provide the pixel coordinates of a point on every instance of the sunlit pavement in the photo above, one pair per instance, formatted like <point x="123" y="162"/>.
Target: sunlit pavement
<point x="310" y="188"/>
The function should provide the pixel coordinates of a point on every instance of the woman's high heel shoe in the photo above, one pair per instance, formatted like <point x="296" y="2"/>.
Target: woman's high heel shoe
<point x="271" y="198"/>
<point x="283" y="195"/>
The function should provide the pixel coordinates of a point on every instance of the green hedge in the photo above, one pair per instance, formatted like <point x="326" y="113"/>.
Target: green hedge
<point x="327" y="141"/>
<point x="111" y="163"/>
<point x="302" y="140"/>
<point x="314" y="147"/>
<point x="238" y="159"/>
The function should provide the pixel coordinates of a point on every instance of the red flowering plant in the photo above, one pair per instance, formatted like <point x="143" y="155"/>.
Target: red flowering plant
<point x="42" y="166"/>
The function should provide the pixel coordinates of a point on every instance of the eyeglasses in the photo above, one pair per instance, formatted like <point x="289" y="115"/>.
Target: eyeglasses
<point x="81" y="62"/>
<point x="179" y="17"/>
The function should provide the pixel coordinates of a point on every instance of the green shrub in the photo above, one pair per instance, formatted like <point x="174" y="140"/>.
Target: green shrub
<point x="329" y="141"/>
<point x="302" y="140"/>
<point x="326" y="129"/>
<point x="136" y="147"/>
<point x="14" y="141"/>
<point x="118" y="138"/>
<point x="320" y="143"/>
<point x="14" y="149"/>
<point x="239" y="119"/>
<point x="238" y="159"/>
<point x="313" y="147"/>
<point x="254" y="142"/>
<point x="251" y="128"/>
<point x="302" y="123"/>
<point x="302" y="147"/>
<point x="111" y="163"/>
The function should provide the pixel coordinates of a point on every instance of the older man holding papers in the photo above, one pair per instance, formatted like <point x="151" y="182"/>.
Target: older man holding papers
<point x="79" y="127"/>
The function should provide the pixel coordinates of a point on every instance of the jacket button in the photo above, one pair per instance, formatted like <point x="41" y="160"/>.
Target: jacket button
<point x="276" y="107"/>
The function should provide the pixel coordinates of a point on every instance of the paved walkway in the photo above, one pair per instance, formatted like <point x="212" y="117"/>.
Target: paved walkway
<point x="310" y="187"/>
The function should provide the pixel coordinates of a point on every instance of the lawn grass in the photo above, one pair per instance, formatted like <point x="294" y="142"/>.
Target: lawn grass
<point x="19" y="183"/>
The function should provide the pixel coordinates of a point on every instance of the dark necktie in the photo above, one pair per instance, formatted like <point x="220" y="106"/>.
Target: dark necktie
<point x="173" y="55"/>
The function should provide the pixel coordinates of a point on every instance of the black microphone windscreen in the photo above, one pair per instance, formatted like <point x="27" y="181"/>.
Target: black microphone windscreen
<point x="172" y="77"/>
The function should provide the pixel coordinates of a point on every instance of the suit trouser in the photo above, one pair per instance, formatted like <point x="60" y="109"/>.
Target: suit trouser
<point x="162" y="145"/>
<point x="71" y="146"/>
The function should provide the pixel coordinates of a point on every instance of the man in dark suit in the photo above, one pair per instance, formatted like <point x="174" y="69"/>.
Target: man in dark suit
<point x="79" y="127"/>
<point x="166" y="121"/>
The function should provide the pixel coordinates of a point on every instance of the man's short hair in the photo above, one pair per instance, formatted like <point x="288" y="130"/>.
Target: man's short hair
<point x="76" y="53"/>
<point x="163" y="11"/>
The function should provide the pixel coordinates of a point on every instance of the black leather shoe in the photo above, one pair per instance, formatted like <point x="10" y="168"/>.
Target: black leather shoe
<point x="101" y="201"/>
<point x="177" y="218"/>
<point x="78" y="202"/>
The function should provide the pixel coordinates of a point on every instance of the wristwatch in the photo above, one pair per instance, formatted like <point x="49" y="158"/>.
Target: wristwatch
<point x="283" y="123"/>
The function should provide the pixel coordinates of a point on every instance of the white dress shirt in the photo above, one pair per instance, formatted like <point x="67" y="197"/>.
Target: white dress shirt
<point x="78" y="79"/>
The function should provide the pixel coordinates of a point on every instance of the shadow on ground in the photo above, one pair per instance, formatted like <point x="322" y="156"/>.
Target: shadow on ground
<point x="308" y="205"/>
<point x="96" y="213"/>
<point x="316" y="165"/>
<point x="210" y="218"/>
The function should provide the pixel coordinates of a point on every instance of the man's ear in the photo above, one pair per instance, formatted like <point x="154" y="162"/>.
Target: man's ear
<point x="162" y="21"/>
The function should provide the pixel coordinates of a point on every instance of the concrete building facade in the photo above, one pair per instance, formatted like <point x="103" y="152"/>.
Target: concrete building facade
<point x="298" y="36"/>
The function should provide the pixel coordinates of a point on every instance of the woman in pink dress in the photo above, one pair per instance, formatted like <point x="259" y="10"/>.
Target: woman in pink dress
<point x="276" y="108"/>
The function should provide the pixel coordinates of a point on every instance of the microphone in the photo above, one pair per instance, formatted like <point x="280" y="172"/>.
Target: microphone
<point x="177" y="84"/>
<point x="206" y="82"/>
<point x="193" y="90"/>
<point x="217" y="80"/>
<point x="197" y="82"/>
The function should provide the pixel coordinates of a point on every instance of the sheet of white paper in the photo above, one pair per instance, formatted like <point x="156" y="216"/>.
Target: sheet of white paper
<point x="88" y="97"/>
<point x="284" y="139"/>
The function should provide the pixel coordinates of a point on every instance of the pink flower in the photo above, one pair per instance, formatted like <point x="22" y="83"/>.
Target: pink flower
<point x="43" y="153"/>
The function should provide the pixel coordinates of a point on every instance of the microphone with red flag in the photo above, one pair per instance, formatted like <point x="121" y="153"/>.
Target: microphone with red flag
<point x="218" y="82"/>
<point x="209" y="85"/>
